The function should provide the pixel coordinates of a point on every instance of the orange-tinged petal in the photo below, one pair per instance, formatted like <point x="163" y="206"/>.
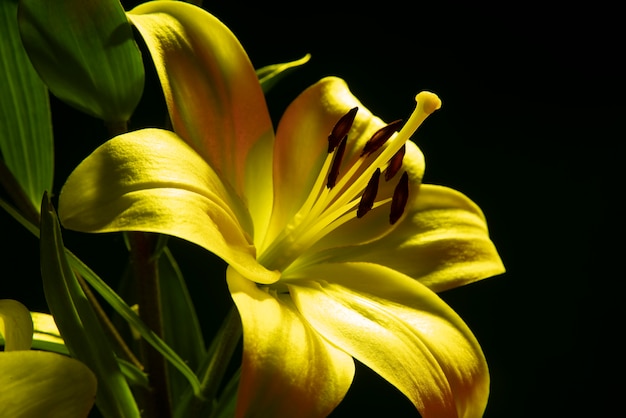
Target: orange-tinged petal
<point x="212" y="92"/>
<point x="42" y="384"/>
<point x="443" y="242"/>
<point x="150" y="180"/>
<point x="402" y="331"/>
<point x="288" y="369"/>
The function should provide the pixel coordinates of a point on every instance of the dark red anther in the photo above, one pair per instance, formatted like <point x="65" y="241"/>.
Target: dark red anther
<point x="380" y="137"/>
<point x="341" y="129"/>
<point x="334" y="168"/>
<point x="369" y="195"/>
<point x="399" y="199"/>
<point x="395" y="163"/>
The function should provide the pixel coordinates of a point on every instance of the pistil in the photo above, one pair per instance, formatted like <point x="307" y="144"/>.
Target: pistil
<point x="337" y="198"/>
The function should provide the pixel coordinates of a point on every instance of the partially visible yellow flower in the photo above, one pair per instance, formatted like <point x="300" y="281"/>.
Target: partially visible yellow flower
<point x="35" y="384"/>
<point x="335" y="248"/>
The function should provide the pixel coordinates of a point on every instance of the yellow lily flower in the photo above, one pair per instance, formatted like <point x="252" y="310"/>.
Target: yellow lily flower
<point x="335" y="248"/>
<point x="38" y="383"/>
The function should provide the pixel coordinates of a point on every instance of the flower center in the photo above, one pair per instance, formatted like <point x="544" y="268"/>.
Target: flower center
<point x="337" y="197"/>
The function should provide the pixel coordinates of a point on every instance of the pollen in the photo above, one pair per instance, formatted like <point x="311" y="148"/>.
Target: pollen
<point x="369" y="195"/>
<point x="341" y="129"/>
<point x="349" y="189"/>
<point x="380" y="137"/>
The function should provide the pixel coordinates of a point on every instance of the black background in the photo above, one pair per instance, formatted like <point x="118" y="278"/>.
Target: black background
<point x="531" y="128"/>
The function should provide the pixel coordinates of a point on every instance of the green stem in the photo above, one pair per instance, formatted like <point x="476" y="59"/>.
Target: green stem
<point x="17" y="195"/>
<point x="157" y="402"/>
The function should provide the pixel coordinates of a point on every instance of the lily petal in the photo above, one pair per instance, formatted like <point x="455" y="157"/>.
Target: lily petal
<point x="402" y="331"/>
<point x="16" y="325"/>
<point x="150" y="180"/>
<point x="302" y="143"/>
<point x="287" y="369"/>
<point x="44" y="384"/>
<point x="443" y="242"/>
<point x="212" y="92"/>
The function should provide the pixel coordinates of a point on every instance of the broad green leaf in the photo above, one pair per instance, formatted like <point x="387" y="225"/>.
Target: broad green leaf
<point x="269" y="75"/>
<point x="181" y="328"/>
<point x="78" y="323"/>
<point x="26" y="142"/>
<point x="86" y="54"/>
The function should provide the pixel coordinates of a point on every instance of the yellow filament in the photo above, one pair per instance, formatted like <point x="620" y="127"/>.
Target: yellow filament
<point x="325" y="209"/>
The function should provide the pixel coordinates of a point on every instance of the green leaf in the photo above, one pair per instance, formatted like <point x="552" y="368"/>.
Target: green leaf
<point x="78" y="323"/>
<point x="181" y="328"/>
<point x="26" y="141"/>
<point x="269" y="75"/>
<point x="119" y="306"/>
<point x="86" y="54"/>
<point x="48" y="338"/>
<point x="133" y="320"/>
<point x="227" y="403"/>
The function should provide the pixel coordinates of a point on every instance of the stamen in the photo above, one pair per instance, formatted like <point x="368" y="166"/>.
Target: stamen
<point x="399" y="199"/>
<point x="369" y="195"/>
<point x="341" y="129"/>
<point x="333" y="173"/>
<point x="380" y="137"/>
<point x="395" y="163"/>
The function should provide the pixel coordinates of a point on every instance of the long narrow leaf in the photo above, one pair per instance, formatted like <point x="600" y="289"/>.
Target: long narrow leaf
<point x="46" y="337"/>
<point x="118" y="305"/>
<point x="26" y="142"/>
<point x="181" y="328"/>
<point x="78" y="323"/>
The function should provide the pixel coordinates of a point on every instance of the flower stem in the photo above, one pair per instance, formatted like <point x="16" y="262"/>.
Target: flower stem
<point x="157" y="401"/>
<point x="17" y="195"/>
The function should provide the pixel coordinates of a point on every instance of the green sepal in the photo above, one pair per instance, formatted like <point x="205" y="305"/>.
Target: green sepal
<point x="269" y="75"/>
<point x="86" y="53"/>
<point x="26" y="141"/>
<point x="79" y="326"/>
